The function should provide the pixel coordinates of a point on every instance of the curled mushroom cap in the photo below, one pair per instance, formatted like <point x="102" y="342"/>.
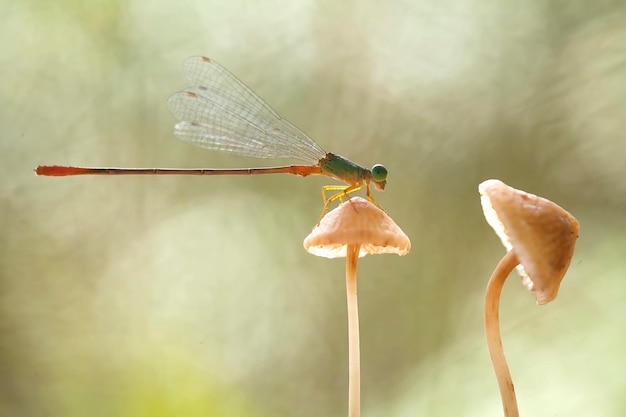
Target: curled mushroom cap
<point x="541" y="234"/>
<point x="356" y="222"/>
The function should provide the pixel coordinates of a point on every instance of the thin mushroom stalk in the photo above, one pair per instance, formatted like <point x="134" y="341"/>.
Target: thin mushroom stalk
<point x="356" y="228"/>
<point x="354" y="355"/>
<point x="540" y="238"/>
<point x="492" y="331"/>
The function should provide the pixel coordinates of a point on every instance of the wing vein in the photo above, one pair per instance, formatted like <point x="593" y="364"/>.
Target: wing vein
<point x="219" y="112"/>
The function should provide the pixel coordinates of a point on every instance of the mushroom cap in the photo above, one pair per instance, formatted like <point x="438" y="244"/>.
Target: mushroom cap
<point x="356" y="222"/>
<point x="541" y="233"/>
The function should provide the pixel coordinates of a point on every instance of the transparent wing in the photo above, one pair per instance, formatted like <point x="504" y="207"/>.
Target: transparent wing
<point x="220" y="113"/>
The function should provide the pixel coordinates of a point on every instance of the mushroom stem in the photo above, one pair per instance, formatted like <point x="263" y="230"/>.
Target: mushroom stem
<point x="354" y="367"/>
<point x="492" y="331"/>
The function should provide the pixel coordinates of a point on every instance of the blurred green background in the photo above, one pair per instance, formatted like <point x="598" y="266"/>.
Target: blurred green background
<point x="183" y="296"/>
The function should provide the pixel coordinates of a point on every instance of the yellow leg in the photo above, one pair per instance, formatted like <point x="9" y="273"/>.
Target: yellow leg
<point x="370" y="198"/>
<point x="341" y="192"/>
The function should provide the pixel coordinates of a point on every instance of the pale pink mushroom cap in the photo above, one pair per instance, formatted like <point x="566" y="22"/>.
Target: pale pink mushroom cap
<point x="356" y="222"/>
<point x="541" y="234"/>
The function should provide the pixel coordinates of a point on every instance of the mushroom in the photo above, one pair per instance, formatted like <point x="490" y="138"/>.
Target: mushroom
<point x="354" y="229"/>
<point x="539" y="237"/>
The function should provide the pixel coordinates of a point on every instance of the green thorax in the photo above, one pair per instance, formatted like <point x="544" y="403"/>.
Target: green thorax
<point x="343" y="169"/>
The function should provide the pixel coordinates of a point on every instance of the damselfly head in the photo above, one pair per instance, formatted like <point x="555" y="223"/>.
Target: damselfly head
<point x="379" y="176"/>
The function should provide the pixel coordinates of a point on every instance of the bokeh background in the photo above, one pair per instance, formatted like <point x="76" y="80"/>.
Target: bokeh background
<point x="188" y="296"/>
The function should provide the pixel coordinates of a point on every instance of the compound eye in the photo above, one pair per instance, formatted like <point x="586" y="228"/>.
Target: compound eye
<point x="379" y="172"/>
